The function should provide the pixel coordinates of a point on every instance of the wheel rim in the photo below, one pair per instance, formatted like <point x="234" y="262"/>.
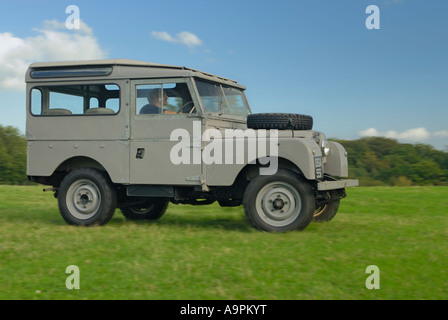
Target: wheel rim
<point x="319" y="210"/>
<point x="139" y="210"/>
<point x="83" y="199"/>
<point x="278" y="204"/>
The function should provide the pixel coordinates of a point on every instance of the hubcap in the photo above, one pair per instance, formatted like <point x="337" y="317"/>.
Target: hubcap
<point x="278" y="204"/>
<point x="83" y="199"/>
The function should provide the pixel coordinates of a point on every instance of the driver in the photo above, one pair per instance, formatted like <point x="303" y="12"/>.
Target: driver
<point x="156" y="102"/>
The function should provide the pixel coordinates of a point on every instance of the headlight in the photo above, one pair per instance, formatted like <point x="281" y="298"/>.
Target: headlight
<point x="325" y="146"/>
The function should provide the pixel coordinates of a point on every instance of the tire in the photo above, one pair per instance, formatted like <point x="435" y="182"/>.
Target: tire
<point x="86" y="197"/>
<point x="280" y="121"/>
<point x="152" y="212"/>
<point x="279" y="203"/>
<point x="327" y="211"/>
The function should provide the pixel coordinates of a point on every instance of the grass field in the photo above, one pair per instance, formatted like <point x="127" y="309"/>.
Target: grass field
<point x="211" y="252"/>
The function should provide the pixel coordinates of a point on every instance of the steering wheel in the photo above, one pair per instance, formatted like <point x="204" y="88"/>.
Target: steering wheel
<point x="187" y="107"/>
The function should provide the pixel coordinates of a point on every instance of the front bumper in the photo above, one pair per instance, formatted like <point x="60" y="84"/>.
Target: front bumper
<point x="337" y="184"/>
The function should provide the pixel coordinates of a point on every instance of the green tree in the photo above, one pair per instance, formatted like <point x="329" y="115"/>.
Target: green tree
<point x="12" y="156"/>
<point x="377" y="161"/>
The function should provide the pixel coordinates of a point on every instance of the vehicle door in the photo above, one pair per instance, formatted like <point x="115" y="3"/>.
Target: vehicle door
<point x="165" y="128"/>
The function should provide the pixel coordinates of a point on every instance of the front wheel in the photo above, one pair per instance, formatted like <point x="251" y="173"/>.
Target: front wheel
<point x="86" y="197"/>
<point x="279" y="203"/>
<point x="327" y="211"/>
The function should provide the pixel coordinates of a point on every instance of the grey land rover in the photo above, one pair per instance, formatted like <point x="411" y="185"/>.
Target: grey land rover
<point x="107" y="134"/>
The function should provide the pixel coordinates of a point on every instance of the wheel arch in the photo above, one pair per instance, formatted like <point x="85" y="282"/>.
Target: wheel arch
<point x="69" y="165"/>
<point x="249" y="171"/>
<point x="282" y="163"/>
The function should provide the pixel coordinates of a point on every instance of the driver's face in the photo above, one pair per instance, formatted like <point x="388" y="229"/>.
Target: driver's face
<point x="165" y="99"/>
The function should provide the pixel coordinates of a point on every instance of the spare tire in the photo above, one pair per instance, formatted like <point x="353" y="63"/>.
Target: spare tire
<point x="280" y="121"/>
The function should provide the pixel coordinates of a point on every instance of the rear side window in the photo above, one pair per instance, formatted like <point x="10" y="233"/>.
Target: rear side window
<point x="67" y="100"/>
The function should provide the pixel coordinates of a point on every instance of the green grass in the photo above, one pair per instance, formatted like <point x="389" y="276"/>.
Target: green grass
<point x="211" y="252"/>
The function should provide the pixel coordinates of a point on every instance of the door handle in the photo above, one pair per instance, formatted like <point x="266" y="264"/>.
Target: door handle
<point x="140" y="153"/>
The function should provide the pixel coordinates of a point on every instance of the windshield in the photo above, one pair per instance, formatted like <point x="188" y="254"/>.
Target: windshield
<point x="222" y="99"/>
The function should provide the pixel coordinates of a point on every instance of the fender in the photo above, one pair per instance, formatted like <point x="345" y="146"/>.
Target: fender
<point x="298" y="151"/>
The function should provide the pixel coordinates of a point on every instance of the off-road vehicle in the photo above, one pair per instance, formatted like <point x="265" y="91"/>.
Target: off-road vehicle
<point x="107" y="134"/>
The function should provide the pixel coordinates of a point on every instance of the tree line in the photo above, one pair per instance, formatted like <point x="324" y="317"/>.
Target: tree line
<point x="373" y="160"/>
<point x="384" y="161"/>
<point x="12" y="156"/>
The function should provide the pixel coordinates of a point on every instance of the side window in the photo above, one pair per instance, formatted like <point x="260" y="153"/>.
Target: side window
<point x="93" y="103"/>
<point x="149" y="99"/>
<point x="75" y="100"/>
<point x="65" y="101"/>
<point x="166" y="98"/>
<point x="112" y="97"/>
<point x="36" y="101"/>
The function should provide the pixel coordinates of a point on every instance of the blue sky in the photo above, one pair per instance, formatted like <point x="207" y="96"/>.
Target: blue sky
<point x="313" y="57"/>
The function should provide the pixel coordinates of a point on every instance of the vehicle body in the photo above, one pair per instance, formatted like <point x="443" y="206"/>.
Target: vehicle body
<point x="88" y="139"/>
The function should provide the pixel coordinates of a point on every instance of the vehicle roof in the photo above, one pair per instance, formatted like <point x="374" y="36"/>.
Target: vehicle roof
<point x="76" y="63"/>
<point x="124" y="68"/>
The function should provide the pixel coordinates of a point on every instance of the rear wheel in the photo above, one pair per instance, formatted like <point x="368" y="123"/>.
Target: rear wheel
<point x="153" y="211"/>
<point x="86" y="197"/>
<point x="279" y="203"/>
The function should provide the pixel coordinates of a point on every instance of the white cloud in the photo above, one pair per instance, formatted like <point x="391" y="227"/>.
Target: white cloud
<point x="371" y="132"/>
<point x="163" y="35"/>
<point x="54" y="42"/>
<point x="417" y="134"/>
<point x="187" y="38"/>
<point x="441" y="133"/>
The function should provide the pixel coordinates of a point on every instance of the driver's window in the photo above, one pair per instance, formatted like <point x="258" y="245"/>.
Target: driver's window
<point x="166" y="98"/>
